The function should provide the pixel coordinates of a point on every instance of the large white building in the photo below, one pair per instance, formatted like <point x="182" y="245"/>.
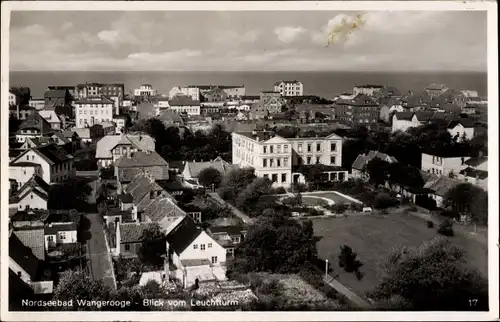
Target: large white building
<point x="276" y="158"/>
<point x="93" y="111"/>
<point x="193" y="92"/>
<point x="145" y="90"/>
<point x="289" y="88"/>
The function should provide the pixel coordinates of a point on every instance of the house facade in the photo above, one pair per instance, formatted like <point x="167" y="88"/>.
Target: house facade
<point x="275" y="157"/>
<point x="89" y="90"/>
<point x="369" y="90"/>
<point x="34" y="194"/>
<point x="193" y="92"/>
<point x="193" y="169"/>
<point x="443" y="165"/>
<point x="228" y="237"/>
<point x="52" y="118"/>
<point x="289" y="88"/>
<point x="164" y="211"/>
<point x="34" y="126"/>
<point x="362" y="109"/>
<point x="145" y="90"/>
<point x="184" y="104"/>
<point x="56" y="165"/>
<point x="91" y="111"/>
<point x="60" y="233"/>
<point x="22" y="172"/>
<point x="110" y="148"/>
<point x="463" y="129"/>
<point x="434" y="89"/>
<point x="358" y="166"/>
<point x="129" y="238"/>
<point x="128" y="166"/>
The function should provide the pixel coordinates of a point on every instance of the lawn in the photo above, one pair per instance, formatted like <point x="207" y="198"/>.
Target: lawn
<point x="373" y="237"/>
<point x="330" y="195"/>
<point x="308" y="201"/>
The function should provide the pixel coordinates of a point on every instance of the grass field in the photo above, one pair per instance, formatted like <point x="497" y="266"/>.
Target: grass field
<point x="330" y="195"/>
<point x="308" y="201"/>
<point x="373" y="237"/>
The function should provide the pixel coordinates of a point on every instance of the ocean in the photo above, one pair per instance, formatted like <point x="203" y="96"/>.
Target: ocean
<point x="324" y="84"/>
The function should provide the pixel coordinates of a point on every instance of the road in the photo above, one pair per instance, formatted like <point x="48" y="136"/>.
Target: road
<point x="98" y="252"/>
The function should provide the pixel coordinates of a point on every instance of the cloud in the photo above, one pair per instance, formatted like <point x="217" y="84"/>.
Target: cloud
<point x="109" y="36"/>
<point x="288" y="34"/>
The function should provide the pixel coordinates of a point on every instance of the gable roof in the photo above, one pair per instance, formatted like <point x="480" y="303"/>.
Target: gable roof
<point x="52" y="229"/>
<point x="195" y="168"/>
<point x="23" y="256"/>
<point x="363" y="159"/>
<point x="51" y="153"/>
<point x="183" y="100"/>
<point x="474" y="173"/>
<point x="141" y="159"/>
<point x="161" y="208"/>
<point x="476" y="161"/>
<point x="143" y="142"/>
<point x="407" y="116"/>
<point x="466" y="123"/>
<point x="34" y="238"/>
<point x="56" y="93"/>
<point x="36" y="121"/>
<point x="141" y="185"/>
<point x="230" y="230"/>
<point x="36" y="181"/>
<point x="442" y="185"/>
<point x="170" y="116"/>
<point x="132" y="232"/>
<point x="62" y="137"/>
<point x="181" y="237"/>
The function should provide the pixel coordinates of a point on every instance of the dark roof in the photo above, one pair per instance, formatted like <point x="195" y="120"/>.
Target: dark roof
<point x="63" y="216"/>
<point x="161" y="208"/>
<point x="126" y="198"/>
<point x="363" y="100"/>
<point x="474" y="173"/>
<point x="183" y="100"/>
<point x="260" y="135"/>
<point x="55" y="93"/>
<point x="183" y="235"/>
<point x="435" y="86"/>
<point x="102" y="100"/>
<point x="36" y="181"/>
<point x="36" y="121"/>
<point x="141" y="159"/>
<point x="230" y="230"/>
<point x="404" y="115"/>
<point x="24" y="164"/>
<point x="250" y="97"/>
<point x="125" y="214"/>
<point x="132" y="232"/>
<point x="369" y="86"/>
<point x="141" y="185"/>
<point x="31" y="215"/>
<point x="466" y="122"/>
<point x="23" y="256"/>
<point x="474" y="162"/>
<point x="53" y="153"/>
<point x="52" y="229"/>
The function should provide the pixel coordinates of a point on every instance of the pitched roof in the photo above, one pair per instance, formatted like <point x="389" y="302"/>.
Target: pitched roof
<point x="143" y="142"/>
<point x="362" y="159"/>
<point x="53" y="153"/>
<point x="34" y="239"/>
<point x="132" y="232"/>
<point x="474" y="162"/>
<point x="450" y="107"/>
<point x="360" y="162"/>
<point x="435" y="86"/>
<point x="36" y="121"/>
<point x="404" y="115"/>
<point x="36" y="181"/>
<point x="466" y="123"/>
<point x="474" y="173"/>
<point x="126" y="198"/>
<point x="170" y="116"/>
<point x="23" y="256"/>
<point x="101" y="100"/>
<point x="230" y="230"/>
<point x="52" y="229"/>
<point x="141" y="185"/>
<point x="195" y="168"/>
<point x="55" y="93"/>
<point x="163" y="207"/>
<point x="62" y="137"/>
<point x="442" y="185"/>
<point x="141" y="159"/>
<point x="180" y="237"/>
<point x="183" y="100"/>
<point x="363" y="100"/>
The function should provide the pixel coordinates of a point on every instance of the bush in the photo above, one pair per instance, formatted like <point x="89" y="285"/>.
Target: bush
<point x="384" y="201"/>
<point x="279" y="191"/>
<point x="430" y="224"/>
<point x="446" y="228"/>
<point x="269" y="287"/>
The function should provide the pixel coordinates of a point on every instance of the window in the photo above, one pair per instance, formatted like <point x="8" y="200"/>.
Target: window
<point x="274" y="177"/>
<point x="278" y="149"/>
<point x="31" y="196"/>
<point x="300" y="147"/>
<point x="265" y="149"/>
<point x="271" y="150"/>
<point x="195" y="246"/>
<point x="309" y="147"/>
<point x="264" y="163"/>
<point x="318" y="147"/>
<point x="50" y="238"/>
<point x="285" y="148"/>
<point x="278" y="162"/>
<point x="209" y="245"/>
<point x="308" y="160"/>
<point x="283" y="177"/>
<point x="317" y="160"/>
<point x="333" y="146"/>
<point x="235" y="240"/>
<point x="271" y="163"/>
<point x="202" y="246"/>
<point x="62" y="235"/>
<point x="27" y="157"/>
<point x="214" y="259"/>
<point x="266" y="176"/>
<point x="332" y="160"/>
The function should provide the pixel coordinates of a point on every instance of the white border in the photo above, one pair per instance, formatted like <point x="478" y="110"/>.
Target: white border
<point x="491" y="7"/>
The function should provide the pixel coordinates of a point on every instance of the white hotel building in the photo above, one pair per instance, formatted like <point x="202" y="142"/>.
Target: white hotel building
<point x="276" y="158"/>
<point x="93" y="111"/>
<point x="289" y="88"/>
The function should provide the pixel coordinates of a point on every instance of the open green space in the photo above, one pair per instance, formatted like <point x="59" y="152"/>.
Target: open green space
<point x="330" y="195"/>
<point x="372" y="237"/>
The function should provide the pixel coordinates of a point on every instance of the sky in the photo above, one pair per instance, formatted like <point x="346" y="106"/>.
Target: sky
<point x="248" y="41"/>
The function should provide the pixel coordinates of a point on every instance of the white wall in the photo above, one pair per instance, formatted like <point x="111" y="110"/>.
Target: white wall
<point x="24" y="173"/>
<point x="442" y="166"/>
<point x="402" y="125"/>
<point x="16" y="268"/>
<point x="33" y="201"/>
<point x="204" y="239"/>
<point x="33" y="157"/>
<point x="190" y="110"/>
<point x="461" y="130"/>
<point x="85" y="112"/>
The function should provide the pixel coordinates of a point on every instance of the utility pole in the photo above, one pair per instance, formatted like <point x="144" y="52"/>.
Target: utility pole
<point x="326" y="269"/>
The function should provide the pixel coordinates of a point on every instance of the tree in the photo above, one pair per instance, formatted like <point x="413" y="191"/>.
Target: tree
<point x="209" y="177"/>
<point x="275" y="244"/>
<point x="132" y="294"/>
<point x="432" y="277"/>
<point x="71" y="194"/>
<point x="347" y="259"/>
<point x="234" y="182"/>
<point x="152" y="245"/>
<point x="469" y="200"/>
<point x="75" y="284"/>
<point x="446" y="228"/>
<point x="251" y="194"/>
<point x="377" y="171"/>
